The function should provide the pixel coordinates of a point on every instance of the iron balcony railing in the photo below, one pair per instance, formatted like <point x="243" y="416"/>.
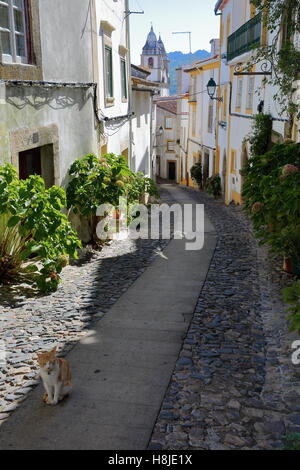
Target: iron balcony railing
<point x="247" y="37"/>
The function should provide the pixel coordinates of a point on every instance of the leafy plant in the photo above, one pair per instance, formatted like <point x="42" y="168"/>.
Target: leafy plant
<point x="214" y="186"/>
<point x="141" y="185"/>
<point x="197" y="174"/>
<point x="97" y="181"/>
<point x="281" y="17"/>
<point x="260" y="138"/>
<point x="36" y="238"/>
<point x="272" y="193"/>
<point x="291" y="296"/>
<point x="292" y="441"/>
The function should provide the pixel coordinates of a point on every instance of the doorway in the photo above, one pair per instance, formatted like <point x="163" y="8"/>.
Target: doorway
<point x="172" y="171"/>
<point x="224" y="173"/>
<point x="30" y="163"/>
<point x="37" y="161"/>
<point x="205" y="169"/>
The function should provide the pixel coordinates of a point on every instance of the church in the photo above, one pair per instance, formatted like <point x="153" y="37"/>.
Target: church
<point x="155" y="58"/>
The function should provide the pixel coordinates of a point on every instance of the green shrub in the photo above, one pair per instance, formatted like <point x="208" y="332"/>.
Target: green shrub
<point x="139" y="186"/>
<point x="272" y="193"/>
<point x="95" y="181"/>
<point x="36" y="238"/>
<point x="291" y="296"/>
<point x="292" y="441"/>
<point x="197" y="175"/>
<point x="260" y="138"/>
<point x="214" y="186"/>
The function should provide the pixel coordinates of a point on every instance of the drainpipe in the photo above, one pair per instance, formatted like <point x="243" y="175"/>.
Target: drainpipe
<point x="151" y="156"/>
<point x="129" y="82"/>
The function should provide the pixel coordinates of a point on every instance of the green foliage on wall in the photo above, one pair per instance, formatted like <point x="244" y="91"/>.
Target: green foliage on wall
<point x="197" y="174"/>
<point x="97" y="181"/>
<point x="260" y="137"/>
<point x="36" y="238"/>
<point x="272" y="193"/>
<point x="214" y="186"/>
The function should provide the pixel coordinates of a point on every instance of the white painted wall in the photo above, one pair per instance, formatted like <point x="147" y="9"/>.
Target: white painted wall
<point x="141" y="133"/>
<point x="202" y="145"/>
<point x="66" y="40"/>
<point x="116" y="136"/>
<point x="241" y="123"/>
<point x="66" y="56"/>
<point x="162" y="141"/>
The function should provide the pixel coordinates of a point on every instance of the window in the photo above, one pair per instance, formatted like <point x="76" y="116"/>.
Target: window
<point x="150" y="62"/>
<point x="124" y="79"/>
<point x="13" y="36"/>
<point x="108" y="73"/>
<point x="210" y="116"/>
<point x="171" y="146"/>
<point x="239" y="96"/>
<point x="168" y="123"/>
<point x="250" y="93"/>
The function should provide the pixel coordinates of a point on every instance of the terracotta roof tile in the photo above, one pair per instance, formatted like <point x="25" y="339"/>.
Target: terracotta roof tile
<point x="168" y="105"/>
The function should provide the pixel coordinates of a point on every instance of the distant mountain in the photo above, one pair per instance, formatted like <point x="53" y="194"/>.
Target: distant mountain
<point x="177" y="59"/>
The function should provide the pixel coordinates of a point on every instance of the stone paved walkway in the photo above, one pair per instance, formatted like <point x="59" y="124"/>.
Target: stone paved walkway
<point x="122" y="368"/>
<point x="234" y="386"/>
<point x="90" y="287"/>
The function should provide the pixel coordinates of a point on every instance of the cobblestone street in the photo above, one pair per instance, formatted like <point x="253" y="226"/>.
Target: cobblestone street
<point x="89" y="288"/>
<point x="234" y="385"/>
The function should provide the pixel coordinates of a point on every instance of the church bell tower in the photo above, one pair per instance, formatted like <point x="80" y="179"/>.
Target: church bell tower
<point x="155" y="58"/>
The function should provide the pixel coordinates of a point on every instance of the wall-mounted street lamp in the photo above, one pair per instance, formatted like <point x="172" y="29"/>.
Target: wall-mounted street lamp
<point x="211" y="90"/>
<point x="160" y="131"/>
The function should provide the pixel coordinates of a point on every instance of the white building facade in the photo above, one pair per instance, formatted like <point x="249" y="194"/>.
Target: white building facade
<point x="143" y="122"/>
<point x="202" y="118"/>
<point x="47" y="117"/>
<point x="244" y="92"/>
<point x="166" y="147"/>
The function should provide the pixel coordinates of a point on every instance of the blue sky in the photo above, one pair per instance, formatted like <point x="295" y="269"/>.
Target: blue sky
<point x="174" y="15"/>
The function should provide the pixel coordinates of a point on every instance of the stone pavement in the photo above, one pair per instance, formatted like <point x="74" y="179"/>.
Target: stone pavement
<point x="234" y="385"/>
<point x="90" y="287"/>
<point x="123" y="366"/>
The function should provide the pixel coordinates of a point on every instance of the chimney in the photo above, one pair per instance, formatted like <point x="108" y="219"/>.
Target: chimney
<point x="215" y="47"/>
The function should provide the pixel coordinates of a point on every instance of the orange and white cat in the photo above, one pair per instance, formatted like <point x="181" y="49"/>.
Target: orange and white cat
<point x="56" y="376"/>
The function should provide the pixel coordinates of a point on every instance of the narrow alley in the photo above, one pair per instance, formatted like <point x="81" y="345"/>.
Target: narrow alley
<point x="178" y="320"/>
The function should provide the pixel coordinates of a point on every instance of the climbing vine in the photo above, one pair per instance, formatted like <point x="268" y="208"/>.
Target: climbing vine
<point x="282" y="18"/>
<point x="260" y="137"/>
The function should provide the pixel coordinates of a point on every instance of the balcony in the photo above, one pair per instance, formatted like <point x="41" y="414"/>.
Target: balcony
<point x="246" y="38"/>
